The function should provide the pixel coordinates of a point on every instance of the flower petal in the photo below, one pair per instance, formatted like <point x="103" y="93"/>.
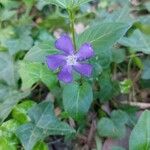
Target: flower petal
<point x="83" y="69"/>
<point x="86" y="51"/>
<point x="65" y="44"/>
<point x="65" y="74"/>
<point x="55" y="61"/>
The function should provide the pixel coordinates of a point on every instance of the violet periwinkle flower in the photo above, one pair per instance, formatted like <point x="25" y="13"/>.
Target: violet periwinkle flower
<point x="70" y="60"/>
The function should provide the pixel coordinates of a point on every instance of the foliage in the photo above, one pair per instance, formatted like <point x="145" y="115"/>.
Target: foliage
<point x="36" y="107"/>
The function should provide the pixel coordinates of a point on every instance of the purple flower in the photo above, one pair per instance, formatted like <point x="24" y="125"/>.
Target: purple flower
<point x="69" y="60"/>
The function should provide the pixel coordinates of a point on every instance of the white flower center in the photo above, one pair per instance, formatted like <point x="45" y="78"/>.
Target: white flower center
<point x="71" y="60"/>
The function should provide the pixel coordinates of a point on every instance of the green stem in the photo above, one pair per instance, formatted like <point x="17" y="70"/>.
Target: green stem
<point x="28" y="10"/>
<point x="72" y="20"/>
<point x="129" y="67"/>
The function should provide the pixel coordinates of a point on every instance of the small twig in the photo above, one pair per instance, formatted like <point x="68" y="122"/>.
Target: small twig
<point x="91" y="134"/>
<point x="137" y="104"/>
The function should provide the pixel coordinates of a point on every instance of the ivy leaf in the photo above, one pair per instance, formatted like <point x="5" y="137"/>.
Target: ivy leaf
<point x="7" y="69"/>
<point x="140" y="136"/>
<point x="22" y="42"/>
<point x="33" y="72"/>
<point x="43" y="123"/>
<point x="77" y="99"/>
<point x="19" y="112"/>
<point x="138" y="41"/>
<point x="9" y="97"/>
<point x="7" y="135"/>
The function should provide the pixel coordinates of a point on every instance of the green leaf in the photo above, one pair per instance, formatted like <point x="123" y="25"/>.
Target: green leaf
<point x="6" y="145"/>
<point x="19" y="112"/>
<point x="7" y="69"/>
<point x="146" y="69"/>
<point x="5" y="34"/>
<point x="7" y="133"/>
<point x="119" y="117"/>
<point x="61" y="3"/>
<point x="103" y="35"/>
<point x="81" y="2"/>
<point x="114" y="127"/>
<point x="108" y="88"/>
<point x="138" y="41"/>
<point x="43" y="123"/>
<point x="39" y="52"/>
<point x="8" y="4"/>
<point x="107" y="128"/>
<point x="121" y="15"/>
<point x="29" y="2"/>
<point x="8" y="99"/>
<point x="22" y="41"/>
<point x="66" y="3"/>
<point x="34" y="72"/>
<point x="41" y="146"/>
<point x="125" y="86"/>
<point x="6" y="14"/>
<point x="77" y="99"/>
<point x="118" y="55"/>
<point x="10" y="125"/>
<point x="140" y="136"/>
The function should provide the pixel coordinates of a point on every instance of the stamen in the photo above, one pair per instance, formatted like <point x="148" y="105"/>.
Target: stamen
<point x="71" y="60"/>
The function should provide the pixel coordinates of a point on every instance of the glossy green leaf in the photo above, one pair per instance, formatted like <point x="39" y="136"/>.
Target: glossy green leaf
<point x="6" y="145"/>
<point x="77" y="99"/>
<point x="43" y="123"/>
<point x="140" y="136"/>
<point x="138" y="42"/>
<point x="32" y="73"/>
<point x="7" y="134"/>
<point x="8" y="99"/>
<point x="19" y="112"/>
